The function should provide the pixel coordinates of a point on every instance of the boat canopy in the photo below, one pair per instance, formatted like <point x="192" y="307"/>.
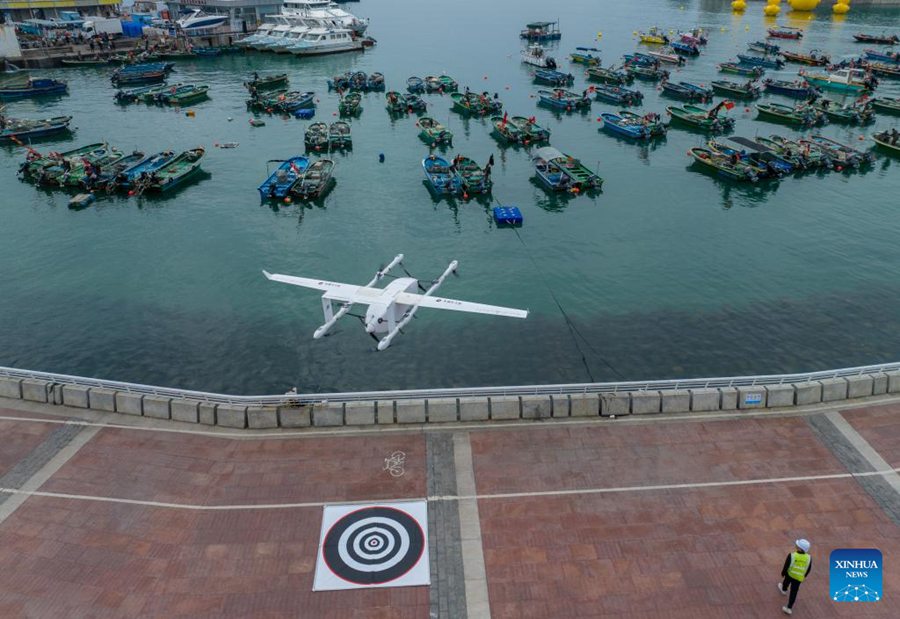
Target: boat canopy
<point x="540" y="25"/>
<point x="547" y="153"/>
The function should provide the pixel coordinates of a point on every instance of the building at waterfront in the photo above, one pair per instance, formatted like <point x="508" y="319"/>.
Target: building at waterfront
<point x="243" y="14"/>
<point x="18" y="10"/>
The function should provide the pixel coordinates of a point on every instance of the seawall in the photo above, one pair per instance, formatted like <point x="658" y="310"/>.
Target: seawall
<point x="536" y="402"/>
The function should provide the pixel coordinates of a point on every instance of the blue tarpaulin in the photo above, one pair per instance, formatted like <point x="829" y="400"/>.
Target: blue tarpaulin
<point x="132" y="29"/>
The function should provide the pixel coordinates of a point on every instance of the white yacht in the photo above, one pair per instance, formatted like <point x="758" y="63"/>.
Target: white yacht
<point x="325" y="41"/>
<point x="326" y="13"/>
<point x="536" y="56"/>
<point x="261" y="33"/>
<point x="290" y="38"/>
<point x="197" y="19"/>
<point x="276" y="35"/>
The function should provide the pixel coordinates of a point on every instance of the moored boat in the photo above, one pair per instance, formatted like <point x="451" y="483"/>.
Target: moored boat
<point x="83" y="171"/>
<point x="315" y="181"/>
<point x="645" y="72"/>
<point x="729" y="167"/>
<point x="685" y="49"/>
<point x="807" y="155"/>
<point x="738" y="155"/>
<point x="842" y="80"/>
<point x="737" y="69"/>
<point x="888" y="140"/>
<point x="796" y="89"/>
<point x="470" y="178"/>
<point x="841" y="154"/>
<point x="633" y="126"/>
<point x="184" y="94"/>
<point x="763" y="47"/>
<point x="33" y="87"/>
<point x="553" y="78"/>
<point x="785" y="32"/>
<point x="136" y="176"/>
<point x="279" y="182"/>
<point x="339" y="135"/>
<point x="885" y="56"/>
<point x="804" y="115"/>
<point x="35" y="162"/>
<point x="316" y="136"/>
<point x="564" y="100"/>
<point x="561" y="172"/>
<point x="813" y="58"/>
<point x="654" y="36"/>
<point x="887" y="105"/>
<point x="395" y="102"/>
<point x="851" y="113"/>
<point x="761" y="61"/>
<point x="884" y="70"/>
<point x="25" y="129"/>
<point x="266" y="82"/>
<point x="880" y="39"/>
<point x="583" y="55"/>
<point x="536" y="56"/>
<point x="667" y="55"/>
<point x="415" y="85"/>
<point x="761" y="154"/>
<point x="177" y="171"/>
<point x="541" y="31"/>
<point x="475" y="104"/>
<point x="86" y="62"/>
<point x="438" y="175"/>
<point x="350" y="104"/>
<point x="746" y="90"/>
<point x="618" y="95"/>
<point x="609" y="75"/>
<point x="433" y="132"/>
<point x="529" y="131"/>
<point x="700" y="118"/>
<point x="687" y="91"/>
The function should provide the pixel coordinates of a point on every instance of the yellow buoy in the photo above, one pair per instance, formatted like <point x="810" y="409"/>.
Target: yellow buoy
<point x="840" y="8"/>
<point x="771" y="10"/>
<point x="738" y="5"/>
<point x="804" y="5"/>
<point x="773" y="2"/>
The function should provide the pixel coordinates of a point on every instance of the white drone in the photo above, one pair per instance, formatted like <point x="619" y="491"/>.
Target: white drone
<point x="391" y="307"/>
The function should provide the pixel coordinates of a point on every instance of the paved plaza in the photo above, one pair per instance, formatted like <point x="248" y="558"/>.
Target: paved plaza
<point x="690" y="515"/>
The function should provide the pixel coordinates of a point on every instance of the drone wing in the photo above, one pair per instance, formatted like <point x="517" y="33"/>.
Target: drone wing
<point x="419" y="300"/>
<point x="336" y="291"/>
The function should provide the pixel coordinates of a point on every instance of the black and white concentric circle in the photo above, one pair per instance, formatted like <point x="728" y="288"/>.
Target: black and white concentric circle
<point x="374" y="545"/>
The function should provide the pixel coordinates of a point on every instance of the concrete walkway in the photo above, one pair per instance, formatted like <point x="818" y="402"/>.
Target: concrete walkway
<point x="683" y="516"/>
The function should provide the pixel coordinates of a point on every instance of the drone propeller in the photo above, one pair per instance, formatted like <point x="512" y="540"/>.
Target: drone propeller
<point x="362" y="321"/>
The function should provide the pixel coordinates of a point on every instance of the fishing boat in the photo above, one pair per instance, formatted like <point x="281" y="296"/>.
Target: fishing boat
<point x="843" y="80"/>
<point x="880" y="39"/>
<point x="475" y="104"/>
<point x="810" y="156"/>
<point x="695" y="36"/>
<point x="738" y="69"/>
<point x="104" y="176"/>
<point x="529" y="131"/>
<point x="885" y="56"/>
<point x="315" y="182"/>
<point x="618" y="95"/>
<point x="654" y="36"/>
<point x="561" y="172"/>
<point x="177" y="171"/>
<point x="536" y="56"/>
<point x="150" y="76"/>
<point x="396" y="102"/>
<point x="339" y="135"/>
<point x="438" y="175"/>
<point x="583" y="55"/>
<point x="375" y="81"/>
<point x="633" y="126"/>
<point x="667" y="55"/>
<point x="279" y="182"/>
<point x="687" y="91"/>
<point x="35" y="163"/>
<point x="415" y="85"/>
<point x="763" y="47"/>
<point x="739" y="155"/>
<point x="746" y="90"/>
<point x="82" y="171"/>
<point x="470" y="178"/>
<point x="316" y="136"/>
<point x="841" y="154"/>
<point x="796" y="89"/>
<point x="760" y="61"/>
<point x="887" y="105"/>
<point x="183" y="95"/>
<point x="850" y="113"/>
<point x="564" y="100"/>
<point x="138" y="174"/>
<point x="448" y="84"/>
<point x="342" y="82"/>
<point x="685" y="49"/>
<point x="553" y="78"/>
<point x="813" y="58"/>
<point x="33" y="87"/>
<point x="146" y="94"/>
<point x="804" y="115"/>
<point x="700" y="118"/>
<point x="760" y="154"/>
<point x="721" y="165"/>
<point x="12" y="129"/>
<point x="433" y="84"/>
<point x="647" y="73"/>
<point x="609" y="76"/>
<point x="541" y="31"/>
<point x="506" y="130"/>
<point x="888" y="140"/>
<point x="351" y="104"/>
<point x="884" y="70"/>
<point x="282" y="101"/>
<point x="266" y="82"/>
<point x="433" y="132"/>
<point x="319" y="41"/>
<point x="785" y="32"/>
<point x="86" y="62"/>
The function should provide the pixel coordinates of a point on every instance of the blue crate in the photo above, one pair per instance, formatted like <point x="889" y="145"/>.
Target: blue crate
<point x="305" y="113"/>
<point x="508" y="215"/>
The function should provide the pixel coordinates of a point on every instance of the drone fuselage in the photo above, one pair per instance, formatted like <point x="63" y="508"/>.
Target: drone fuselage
<point x="385" y="313"/>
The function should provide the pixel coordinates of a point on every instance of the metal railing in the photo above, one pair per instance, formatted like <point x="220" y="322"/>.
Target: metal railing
<point x="461" y="392"/>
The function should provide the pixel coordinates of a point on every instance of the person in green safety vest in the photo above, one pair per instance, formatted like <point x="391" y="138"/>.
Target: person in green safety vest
<point x="796" y="568"/>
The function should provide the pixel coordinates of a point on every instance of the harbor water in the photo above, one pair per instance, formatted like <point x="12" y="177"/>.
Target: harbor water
<point x="669" y="272"/>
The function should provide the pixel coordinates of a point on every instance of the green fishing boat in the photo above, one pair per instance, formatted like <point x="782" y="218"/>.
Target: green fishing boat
<point x="178" y="171"/>
<point x="266" y="82"/>
<point x="804" y="115"/>
<point x="721" y="165"/>
<point x="186" y="94"/>
<point x="744" y="90"/>
<point x="787" y="153"/>
<point x="316" y="137"/>
<point x="812" y="156"/>
<point x="706" y="120"/>
<point x="889" y="141"/>
<point x="647" y="73"/>
<point x="529" y="131"/>
<point x="351" y="104"/>
<point x="433" y="132"/>
<point x="470" y="178"/>
<point x="611" y="75"/>
<point x="76" y="169"/>
<point x="888" y="105"/>
<point x="851" y="113"/>
<point x="339" y="135"/>
<point x="448" y="84"/>
<point x="506" y="130"/>
<point x="396" y="102"/>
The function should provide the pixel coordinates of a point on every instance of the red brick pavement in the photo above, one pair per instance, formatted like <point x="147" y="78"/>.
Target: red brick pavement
<point x="18" y="439"/>
<point x="880" y="426"/>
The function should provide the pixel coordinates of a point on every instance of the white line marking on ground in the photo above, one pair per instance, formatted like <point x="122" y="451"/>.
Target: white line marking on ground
<point x="474" y="571"/>
<point x="863" y="447"/>
<point x="480" y="497"/>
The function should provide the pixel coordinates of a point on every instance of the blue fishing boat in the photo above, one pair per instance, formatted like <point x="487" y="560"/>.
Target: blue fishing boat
<point x="282" y="179"/>
<point x="618" y="95"/>
<point x="633" y="126"/>
<point x="796" y="89"/>
<point x="415" y="85"/>
<point x="885" y="56"/>
<point x="740" y="69"/>
<point x="685" y="49"/>
<point x="553" y="78"/>
<point x="564" y="99"/>
<point x="561" y="172"/>
<point x="13" y="129"/>
<point x="142" y="170"/>
<point x="687" y="91"/>
<point x="437" y="173"/>
<point x="34" y="87"/>
<point x="763" y="47"/>
<point x="760" y="61"/>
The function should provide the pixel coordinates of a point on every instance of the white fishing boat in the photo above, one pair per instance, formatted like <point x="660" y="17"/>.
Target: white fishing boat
<point x="198" y="20"/>
<point x="536" y="56"/>
<point x="324" y="41"/>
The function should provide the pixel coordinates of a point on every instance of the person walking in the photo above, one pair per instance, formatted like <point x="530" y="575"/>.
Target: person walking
<point x="797" y="567"/>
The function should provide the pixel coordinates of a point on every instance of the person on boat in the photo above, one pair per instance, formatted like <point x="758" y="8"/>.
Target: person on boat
<point x="894" y="136"/>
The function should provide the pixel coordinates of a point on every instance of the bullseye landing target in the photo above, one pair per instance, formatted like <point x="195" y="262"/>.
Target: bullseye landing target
<point x="378" y="545"/>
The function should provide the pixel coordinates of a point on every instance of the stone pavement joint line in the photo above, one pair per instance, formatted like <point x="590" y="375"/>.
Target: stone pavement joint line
<point x="30" y="473"/>
<point x="447" y="597"/>
<point x="477" y="601"/>
<point x="855" y="453"/>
